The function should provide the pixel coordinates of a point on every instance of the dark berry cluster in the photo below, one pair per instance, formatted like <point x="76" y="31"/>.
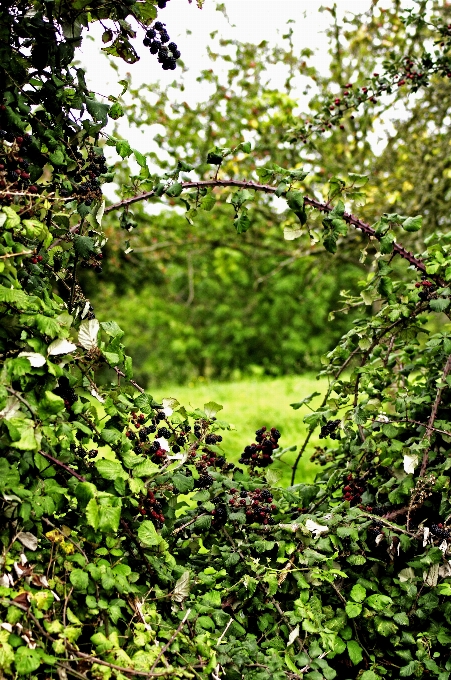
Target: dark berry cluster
<point x="204" y="481"/>
<point x="259" y="454"/>
<point x="329" y="429"/>
<point x="14" y="163"/>
<point x="157" y="40"/>
<point x="352" y="490"/>
<point x="94" y="262"/>
<point x="150" y="506"/>
<point x="258" y="505"/>
<point x="427" y="288"/>
<point x="439" y="531"/>
<point x="219" y="513"/>
<point x="213" y="438"/>
<point x="84" y="179"/>
<point x="66" y="392"/>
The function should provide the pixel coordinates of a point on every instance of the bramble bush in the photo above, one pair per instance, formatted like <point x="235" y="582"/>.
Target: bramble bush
<point x="130" y="546"/>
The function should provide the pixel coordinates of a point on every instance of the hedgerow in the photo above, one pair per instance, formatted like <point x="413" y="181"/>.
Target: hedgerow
<point x="131" y="547"/>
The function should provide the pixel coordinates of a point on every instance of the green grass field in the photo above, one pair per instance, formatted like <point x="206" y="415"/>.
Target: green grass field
<point x="251" y="403"/>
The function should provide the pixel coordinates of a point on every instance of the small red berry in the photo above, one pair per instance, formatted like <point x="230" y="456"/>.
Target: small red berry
<point x="34" y="260"/>
<point x="19" y="140"/>
<point x="39" y="258"/>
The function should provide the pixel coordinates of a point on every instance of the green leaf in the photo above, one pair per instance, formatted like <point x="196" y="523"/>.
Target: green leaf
<point x="140" y="159"/>
<point x="208" y="201"/>
<point x="295" y="200"/>
<point x="358" y="180"/>
<point x="212" y="408"/>
<point x="109" y="513"/>
<point x="57" y="158"/>
<point x="412" y="223"/>
<point x="110" y="469"/>
<point x="242" y="223"/>
<point x="355" y="651"/>
<point x="116" y="111"/>
<point x="439" y="305"/>
<point x="369" y="675"/>
<point x="358" y="593"/>
<point x="97" y="110"/>
<point x="304" y="401"/>
<point x="123" y="148"/>
<point x="353" y="609"/>
<point x="92" y="513"/>
<point x="26" y="660"/>
<point x="147" y="534"/>
<point x="174" y="190"/>
<point x="379" y="602"/>
<point x="145" y="469"/>
<point x="79" y="579"/>
<point x="401" y="619"/>
<point x="245" y="146"/>
<point x="182" y="483"/>
<point x="84" y="246"/>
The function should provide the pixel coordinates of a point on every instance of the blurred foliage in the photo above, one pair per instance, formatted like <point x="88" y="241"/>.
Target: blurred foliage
<point x="208" y="304"/>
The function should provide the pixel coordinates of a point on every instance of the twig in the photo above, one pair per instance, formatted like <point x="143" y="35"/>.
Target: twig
<point x="20" y="398"/>
<point x="132" y="382"/>
<point x="268" y="189"/>
<point x="224" y="631"/>
<point x="432" y="417"/>
<point x="24" y="252"/>
<point x="171" y="640"/>
<point x="60" y="464"/>
<point x="176" y="531"/>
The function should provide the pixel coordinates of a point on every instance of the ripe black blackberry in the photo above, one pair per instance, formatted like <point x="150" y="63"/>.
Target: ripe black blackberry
<point x="159" y="416"/>
<point x="439" y="531"/>
<point x="164" y="432"/>
<point x="154" y="447"/>
<point x="151" y="429"/>
<point x="176" y="448"/>
<point x="164" y="37"/>
<point x="143" y="434"/>
<point x="151" y="33"/>
<point x="181" y="441"/>
<point x="210" y="439"/>
<point x="205" y="482"/>
<point x="328" y="430"/>
<point x="159" y="26"/>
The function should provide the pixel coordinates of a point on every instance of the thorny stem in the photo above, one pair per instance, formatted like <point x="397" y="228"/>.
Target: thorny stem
<point x="268" y="189"/>
<point x="432" y="417"/>
<point x="171" y="640"/>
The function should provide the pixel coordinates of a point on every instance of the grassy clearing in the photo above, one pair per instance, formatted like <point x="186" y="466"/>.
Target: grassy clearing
<point x="249" y="404"/>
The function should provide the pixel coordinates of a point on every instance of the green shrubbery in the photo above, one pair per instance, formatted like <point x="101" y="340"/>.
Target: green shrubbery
<point x="131" y="547"/>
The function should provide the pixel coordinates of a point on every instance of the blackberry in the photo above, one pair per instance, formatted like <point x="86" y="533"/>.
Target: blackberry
<point x="164" y="37"/>
<point x="146" y="42"/>
<point x="151" y="429"/>
<point x="181" y="441"/>
<point x="159" y="26"/>
<point x="164" y="432"/>
<point x="329" y="428"/>
<point x="275" y="433"/>
<point x="176" y="448"/>
<point x="176" y="54"/>
<point x="220" y="516"/>
<point x="162" y="4"/>
<point x="210" y="439"/>
<point x="220" y="461"/>
<point x="154" y="47"/>
<point x="143" y="434"/>
<point x="154" y="447"/>
<point x="243" y="494"/>
<point x="160" y="415"/>
<point x="205" y="482"/>
<point x="151" y="33"/>
<point x="172" y="46"/>
<point x="265" y="495"/>
<point x="439" y="531"/>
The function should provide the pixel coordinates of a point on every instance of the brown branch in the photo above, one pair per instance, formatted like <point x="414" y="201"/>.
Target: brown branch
<point x="268" y="189"/>
<point x="171" y="640"/>
<point x="432" y="417"/>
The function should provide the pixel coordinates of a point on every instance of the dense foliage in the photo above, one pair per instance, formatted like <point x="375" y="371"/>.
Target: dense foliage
<point x="131" y="547"/>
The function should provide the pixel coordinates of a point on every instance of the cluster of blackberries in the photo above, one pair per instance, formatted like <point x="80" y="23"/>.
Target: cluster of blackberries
<point x="162" y="4"/>
<point x="219" y="513"/>
<point x="352" y="490"/>
<point x="258" y="505"/>
<point x="86" y="183"/>
<point x="427" y="289"/>
<point x="204" y="481"/>
<point x="439" y="531"/>
<point x="94" y="262"/>
<point x="213" y="438"/>
<point x="150" y="506"/>
<point x="329" y="429"/>
<point x="260" y="453"/>
<point x="167" y="54"/>
<point x="66" y="392"/>
<point x="13" y="162"/>
<point x="141" y="434"/>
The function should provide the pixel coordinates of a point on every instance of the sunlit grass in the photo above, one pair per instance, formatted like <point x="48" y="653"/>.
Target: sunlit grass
<point x="249" y="404"/>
